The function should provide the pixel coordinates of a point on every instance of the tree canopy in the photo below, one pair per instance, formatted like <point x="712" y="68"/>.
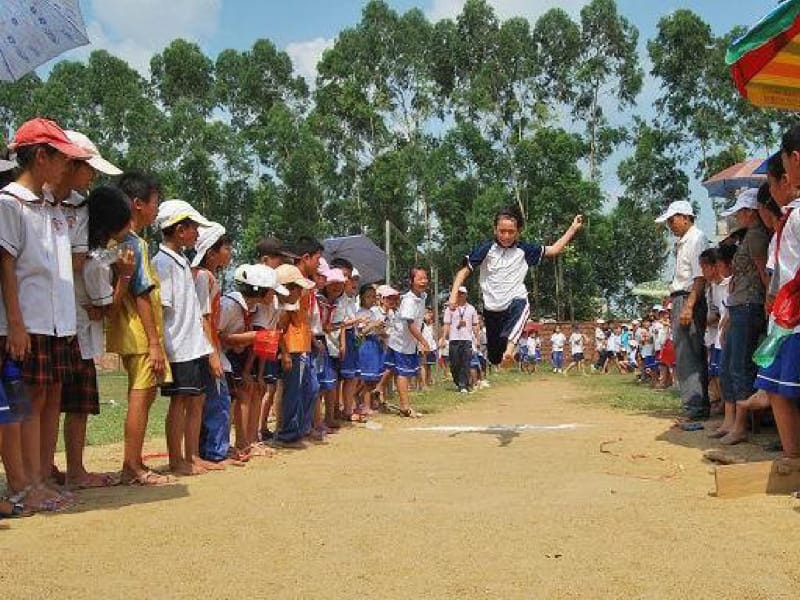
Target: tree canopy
<point x="433" y="126"/>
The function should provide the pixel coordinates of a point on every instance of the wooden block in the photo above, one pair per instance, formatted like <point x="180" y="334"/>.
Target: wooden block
<point x="735" y="481"/>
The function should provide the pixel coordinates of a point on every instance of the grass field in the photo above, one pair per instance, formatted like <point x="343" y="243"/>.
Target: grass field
<point x="623" y="392"/>
<point x="108" y="426"/>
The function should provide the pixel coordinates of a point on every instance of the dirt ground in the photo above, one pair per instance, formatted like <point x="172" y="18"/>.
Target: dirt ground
<point x="395" y="513"/>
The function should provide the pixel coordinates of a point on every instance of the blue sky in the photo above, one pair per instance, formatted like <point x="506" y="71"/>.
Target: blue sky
<point x="136" y="29"/>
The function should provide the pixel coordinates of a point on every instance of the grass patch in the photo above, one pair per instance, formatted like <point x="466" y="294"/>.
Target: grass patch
<point x="443" y="396"/>
<point x="624" y="393"/>
<point x="109" y="426"/>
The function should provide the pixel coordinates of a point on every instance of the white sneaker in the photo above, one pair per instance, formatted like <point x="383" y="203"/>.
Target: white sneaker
<point x="463" y="391"/>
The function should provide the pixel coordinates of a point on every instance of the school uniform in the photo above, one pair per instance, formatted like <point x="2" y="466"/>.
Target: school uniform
<point x="370" y="352"/>
<point x="401" y="355"/>
<point x="502" y="274"/>
<point x="534" y="350"/>
<point x="300" y="386"/>
<point x="557" y="341"/>
<point x="125" y="334"/>
<point x="235" y="317"/>
<point x="348" y="365"/>
<point x="326" y="360"/>
<point x="34" y="231"/>
<point x="216" y="421"/>
<point x="783" y="375"/>
<point x="431" y="357"/>
<point x="576" y="346"/>
<point x="93" y="287"/>
<point x="267" y="317"/>
<point x="184" y="337"/>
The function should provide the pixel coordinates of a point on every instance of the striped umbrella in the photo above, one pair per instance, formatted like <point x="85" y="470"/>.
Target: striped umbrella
<point x="765" y="61"/>
<point x="741" y="175"/>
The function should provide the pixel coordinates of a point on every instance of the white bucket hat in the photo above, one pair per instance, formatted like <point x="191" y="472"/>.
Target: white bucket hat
<point x="206" y="238"/>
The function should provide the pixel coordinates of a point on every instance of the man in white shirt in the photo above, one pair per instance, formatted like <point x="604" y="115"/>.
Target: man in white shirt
<point x="688" y="309"/>
<point x="460" y="327"/>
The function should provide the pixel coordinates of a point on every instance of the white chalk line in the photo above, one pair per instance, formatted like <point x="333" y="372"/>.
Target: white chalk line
<point x="496" y="428"/>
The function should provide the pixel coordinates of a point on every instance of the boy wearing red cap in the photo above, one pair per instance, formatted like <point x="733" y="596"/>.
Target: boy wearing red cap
<point x="37" y="313"/>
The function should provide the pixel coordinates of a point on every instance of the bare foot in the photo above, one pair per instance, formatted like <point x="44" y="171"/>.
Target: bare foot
<point x="718" y="433"/>
<point x="186" y="469"/>
<point x="208" y="465"/>
<point x="87" y="480"/>
<point x="733" y="438"/>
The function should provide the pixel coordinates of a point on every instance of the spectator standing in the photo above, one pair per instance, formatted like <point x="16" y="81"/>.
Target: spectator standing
<point x="688" y="309"/>
<point x="460" y="326"/>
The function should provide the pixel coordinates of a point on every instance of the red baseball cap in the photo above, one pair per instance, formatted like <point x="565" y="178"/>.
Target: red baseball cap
<point x="44" y="131"/>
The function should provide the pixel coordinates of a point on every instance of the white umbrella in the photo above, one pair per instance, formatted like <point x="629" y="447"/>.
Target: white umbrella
<point x="34" y="31"/>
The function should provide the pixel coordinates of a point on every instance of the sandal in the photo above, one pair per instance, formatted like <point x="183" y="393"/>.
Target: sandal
<point x="410" y="413"/>
<point x="17" y="506"/>
<point x="357" y="418"/>
<point x="147" y="479"/>
<point x="93" y="480"/>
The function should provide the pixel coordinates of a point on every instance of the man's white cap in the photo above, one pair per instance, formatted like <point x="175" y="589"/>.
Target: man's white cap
<point x="354" y="273"/>
<point x="601" y="321"/>
<point x="658" y="307"/>
<point x="171" y="212"/>
<point x="7" y="165"/>
<point x="679" y="207"/>
<point x="96" y="161"/>
<point x="334" y="276"/>
<point x="259" y="276"/>
<point x="207" y="237"/>
<point x="747" y="199"/>
<point x="462" y="289"/>
<point x="323" y="267"/>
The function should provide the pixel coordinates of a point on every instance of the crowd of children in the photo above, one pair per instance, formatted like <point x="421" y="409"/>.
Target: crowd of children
<point x="78" y="280"/>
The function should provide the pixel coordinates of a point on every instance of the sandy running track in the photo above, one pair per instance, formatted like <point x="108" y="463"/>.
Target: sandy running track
<point x="395" y="513"/>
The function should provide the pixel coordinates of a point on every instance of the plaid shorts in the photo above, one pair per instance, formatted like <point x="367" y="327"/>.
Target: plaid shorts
<point x="80" y="395"/>
<point x="49" y="361"/>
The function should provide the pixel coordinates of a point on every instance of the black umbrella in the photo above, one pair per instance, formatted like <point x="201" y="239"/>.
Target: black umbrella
<point x="368" y="258"/>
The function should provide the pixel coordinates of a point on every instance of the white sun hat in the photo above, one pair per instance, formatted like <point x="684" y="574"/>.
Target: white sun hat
<point x="679" y="207"/>
<point x="96" y="161"/>
<point x="206" y="238"/>
<point x="747" y="199"/>
<point x="171" y="212"/>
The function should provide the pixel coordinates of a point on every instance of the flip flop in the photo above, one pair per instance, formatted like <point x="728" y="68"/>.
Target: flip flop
<point x="147" y="479"/>
<point x="18" y="510"/>
<point x="410" y="413"/>
<point x="92" y="481"/>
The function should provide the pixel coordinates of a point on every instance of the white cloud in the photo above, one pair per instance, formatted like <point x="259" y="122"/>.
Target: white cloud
<point x="306" y="55"/>
<point x="449" y="9"/>
<point x="134" y="30"/>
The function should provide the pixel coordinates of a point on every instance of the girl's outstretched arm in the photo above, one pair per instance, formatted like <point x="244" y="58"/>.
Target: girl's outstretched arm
<point x="565" y="239"/>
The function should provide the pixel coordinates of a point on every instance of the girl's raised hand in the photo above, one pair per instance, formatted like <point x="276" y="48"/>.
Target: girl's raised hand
<point x="577" y="222"/>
